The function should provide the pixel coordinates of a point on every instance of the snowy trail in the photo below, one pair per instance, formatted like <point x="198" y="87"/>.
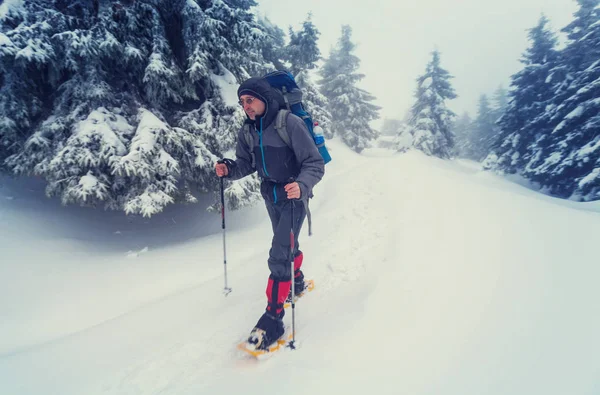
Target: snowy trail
<point x="343" y="258"/>
<point x="431" y="278"/>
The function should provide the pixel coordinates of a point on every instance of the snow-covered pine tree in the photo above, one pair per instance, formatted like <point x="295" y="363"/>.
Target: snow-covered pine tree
<point x="463" y="130"/>
<point x="484" y="129"/>
<point x="350" y="106"/>
<point x="499" y="106"/>
<point x="500" y="102"/>
<point x="125" y="104"/>
<point x="431" y="121"/>
<point x="273" y="44"/>
<point x="403" y="141"/>
<point x="566" y="158"/>
<point x="302" y="53"/>
<point x="529" y="93"/>
<point x="316" y="103"/>
<point x="27" y="71"/>
<point x="390" y="126"/>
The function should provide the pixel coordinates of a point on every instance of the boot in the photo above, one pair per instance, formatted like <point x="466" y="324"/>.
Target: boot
<point x="298" y="276"/>
<point x="269" y="327"/>
<point x="267" y="331"/>
<point x="299" y="285"/>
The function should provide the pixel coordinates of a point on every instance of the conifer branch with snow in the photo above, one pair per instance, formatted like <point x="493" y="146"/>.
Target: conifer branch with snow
<point x="125" y="105"/>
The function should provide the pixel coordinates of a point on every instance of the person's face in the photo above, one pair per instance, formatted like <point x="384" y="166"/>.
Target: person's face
<point x="252" y="106"/>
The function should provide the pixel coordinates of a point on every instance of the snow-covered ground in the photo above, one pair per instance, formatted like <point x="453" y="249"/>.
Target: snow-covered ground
<point x="432" y="278"/>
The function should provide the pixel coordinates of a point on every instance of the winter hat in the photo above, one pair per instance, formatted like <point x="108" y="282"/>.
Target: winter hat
<point x="255" y="87"/>
<point x="262" y="90"/>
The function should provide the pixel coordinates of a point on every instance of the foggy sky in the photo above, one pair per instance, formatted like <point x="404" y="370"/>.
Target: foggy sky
<point x="480" y="41"/>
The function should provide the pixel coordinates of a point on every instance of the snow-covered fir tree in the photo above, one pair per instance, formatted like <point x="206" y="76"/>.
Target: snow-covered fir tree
<point x="500" y="102"/>
<point x="529" y="93"/>
<point x="273" y="44"/>
<point x="302" y="53"/>
<point x="463" y="131"/>
<point x="565" y="159"/>
<point x="431" y="121"/>
<point x="390" y="126"/>
<point x="316" y="103"/>
<point x="484" y="129"/>
<point x="403" y="141"/>
<point x="125" y="104"/>
<point x="474" y="138"/>
<point x="395" y="133"/>
<point x="350" y="106"/>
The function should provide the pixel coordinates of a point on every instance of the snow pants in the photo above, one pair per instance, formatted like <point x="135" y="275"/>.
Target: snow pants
<point x="279" y="283"/>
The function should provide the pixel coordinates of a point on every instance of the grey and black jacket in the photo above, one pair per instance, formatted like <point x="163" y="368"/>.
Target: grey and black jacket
<point x="276" y="163"/>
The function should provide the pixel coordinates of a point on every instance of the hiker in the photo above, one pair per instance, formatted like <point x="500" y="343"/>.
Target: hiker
<point x="288" y="176"/>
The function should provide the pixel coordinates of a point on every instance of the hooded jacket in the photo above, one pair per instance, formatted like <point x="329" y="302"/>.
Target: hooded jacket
<point x="276" y="163"/>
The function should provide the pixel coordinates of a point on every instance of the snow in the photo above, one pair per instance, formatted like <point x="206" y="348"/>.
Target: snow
<point x="148" y="203"/>
<point x="9" y="5"/>
<point x="551" y="160"/>
<point x="589" y="148"/>
<point x="145" y="136"/>
<point x="88" y="184"/>
<point x="591" y="177"/>
<point x="106" y="125"/>
<point x="559" y="127"/>
<point x="5" y="41"/>
<point x="432" y="277"/>
<point x="227" y="85"/>
<point x="592" y="86"/>
<point x="404" y="140"/>
<point x="36" y="50"/>
<point x="426" y="83"/>
<point x="576" y="112"/>
<point x="157" y="66"/>
<point x="594" y="65"/>
<point x="192" y="4"/>
<point x="133" y="53"/>
<point x="202" y="152"/>
<point x="110" y="43"/>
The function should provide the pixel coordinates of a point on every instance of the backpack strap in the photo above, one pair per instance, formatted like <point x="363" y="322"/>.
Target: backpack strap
<point x="250" y="141"/>
<point x="308" y="216"/>
<point x="284" y="91"/>
<point x="281" y="126"/>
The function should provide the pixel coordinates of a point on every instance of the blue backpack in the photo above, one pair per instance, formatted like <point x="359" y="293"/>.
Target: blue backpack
<point x="284" y="82"/>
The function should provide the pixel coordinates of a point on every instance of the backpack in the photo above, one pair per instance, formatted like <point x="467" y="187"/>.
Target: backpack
<point x="284" y="82"/>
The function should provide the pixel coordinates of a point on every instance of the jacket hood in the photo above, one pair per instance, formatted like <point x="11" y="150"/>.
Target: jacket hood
<point x="263" y="91"/>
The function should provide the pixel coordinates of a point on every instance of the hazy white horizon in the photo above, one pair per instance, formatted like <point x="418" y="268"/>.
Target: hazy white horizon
<point x="481" y="41"/>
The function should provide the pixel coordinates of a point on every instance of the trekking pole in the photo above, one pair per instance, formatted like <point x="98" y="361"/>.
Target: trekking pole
<point x="292" y="245"/>
<point x="226" y="289"/>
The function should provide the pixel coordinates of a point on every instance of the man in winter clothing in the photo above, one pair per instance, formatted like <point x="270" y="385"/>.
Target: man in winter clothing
<point x="288" y="176"/>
